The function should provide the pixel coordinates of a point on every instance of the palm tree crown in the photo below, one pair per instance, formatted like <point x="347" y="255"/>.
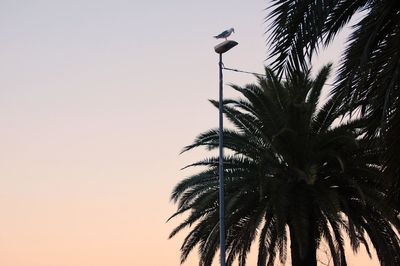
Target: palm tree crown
<point x="369" y="74"/>
<point x="292" y="175"/>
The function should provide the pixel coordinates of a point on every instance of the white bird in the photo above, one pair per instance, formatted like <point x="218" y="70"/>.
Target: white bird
<point x="225" y="34"/>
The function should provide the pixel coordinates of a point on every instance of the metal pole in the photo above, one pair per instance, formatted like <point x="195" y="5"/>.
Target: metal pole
<point x="221" y="167"/>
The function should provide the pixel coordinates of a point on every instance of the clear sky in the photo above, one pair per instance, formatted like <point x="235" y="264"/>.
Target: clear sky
<point x="97" y="98"/>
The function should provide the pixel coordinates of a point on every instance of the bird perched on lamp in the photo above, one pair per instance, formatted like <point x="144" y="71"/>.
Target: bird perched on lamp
<point x="225" y="34"/>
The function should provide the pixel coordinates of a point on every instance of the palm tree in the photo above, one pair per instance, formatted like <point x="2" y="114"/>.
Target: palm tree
<point x="292" y="174"/>
<point x="369" y="74"/>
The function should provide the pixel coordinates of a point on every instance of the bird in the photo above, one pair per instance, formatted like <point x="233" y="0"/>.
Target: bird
<point x="225" y="34"/>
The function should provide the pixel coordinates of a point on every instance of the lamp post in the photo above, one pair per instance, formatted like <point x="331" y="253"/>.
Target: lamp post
<point x="220" y="49"/>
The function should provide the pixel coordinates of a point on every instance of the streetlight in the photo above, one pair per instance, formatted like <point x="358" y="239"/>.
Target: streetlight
<point x="220" y="49"/>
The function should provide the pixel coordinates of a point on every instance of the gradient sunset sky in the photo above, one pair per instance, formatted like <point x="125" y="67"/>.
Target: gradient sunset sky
<point x="97" y="98"/>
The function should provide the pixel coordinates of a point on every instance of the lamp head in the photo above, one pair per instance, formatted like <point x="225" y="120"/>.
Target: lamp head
<point x="225" y="46"/>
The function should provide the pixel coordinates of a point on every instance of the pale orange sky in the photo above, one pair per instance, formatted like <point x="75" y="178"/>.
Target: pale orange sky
<point x="97" y="98"/>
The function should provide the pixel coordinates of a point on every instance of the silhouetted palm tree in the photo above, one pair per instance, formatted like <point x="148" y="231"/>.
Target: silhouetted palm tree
<point x="292" y="173"/>
<point x="369" y="75"/>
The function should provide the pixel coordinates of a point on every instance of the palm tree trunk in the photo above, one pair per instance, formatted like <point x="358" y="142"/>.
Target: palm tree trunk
<point x="309" y="256"/>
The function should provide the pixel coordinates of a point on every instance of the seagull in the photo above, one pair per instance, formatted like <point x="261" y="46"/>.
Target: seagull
<point x="225" y="34"/>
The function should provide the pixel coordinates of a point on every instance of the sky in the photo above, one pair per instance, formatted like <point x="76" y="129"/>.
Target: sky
<point x="97" y="99"/>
